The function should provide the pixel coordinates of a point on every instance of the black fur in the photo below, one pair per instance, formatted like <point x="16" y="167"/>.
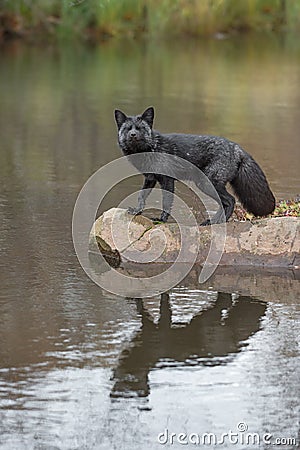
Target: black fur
<point x="218" y="158"/>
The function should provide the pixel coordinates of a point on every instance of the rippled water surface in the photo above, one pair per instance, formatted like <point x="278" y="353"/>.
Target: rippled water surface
<point x="83" y="369"/>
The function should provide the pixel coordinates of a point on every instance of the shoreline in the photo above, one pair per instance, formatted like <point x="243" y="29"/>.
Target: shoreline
<point x="96" y="23"/>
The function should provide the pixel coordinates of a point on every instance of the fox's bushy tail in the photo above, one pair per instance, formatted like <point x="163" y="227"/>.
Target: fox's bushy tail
<point x="252" y="189"/>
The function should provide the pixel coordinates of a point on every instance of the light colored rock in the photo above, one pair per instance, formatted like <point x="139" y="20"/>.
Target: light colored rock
<point x="268" y="242"/>
<point x="119" y="229"/>
<point x="270" y="236"/>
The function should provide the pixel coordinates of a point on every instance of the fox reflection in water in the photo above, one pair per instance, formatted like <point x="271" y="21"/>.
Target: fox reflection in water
<point x="206" y="340"/>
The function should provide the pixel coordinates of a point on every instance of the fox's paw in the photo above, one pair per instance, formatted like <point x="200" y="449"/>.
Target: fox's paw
<point x="156" y="219"/>
<point x="205" y="223"/>
<point x="134" y="211"/>
<point x="163" y="218"/>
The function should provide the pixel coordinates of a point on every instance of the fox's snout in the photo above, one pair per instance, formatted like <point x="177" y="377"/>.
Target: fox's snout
<point x="135" y="135"/>
<point x="132" y="134"/>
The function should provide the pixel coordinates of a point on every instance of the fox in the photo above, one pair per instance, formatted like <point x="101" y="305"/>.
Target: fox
<point x="220" y="159"/>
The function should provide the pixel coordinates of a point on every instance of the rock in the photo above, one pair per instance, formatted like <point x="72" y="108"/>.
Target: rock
<point x="270" y="242"/>
<point x="119" y="230"/>
<point x="113" y="257"/>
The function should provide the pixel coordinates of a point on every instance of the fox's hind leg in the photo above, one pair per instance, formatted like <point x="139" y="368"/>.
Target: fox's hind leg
<point x="226" y="207"/>
<point x="228" y="202"/>
<point x="149" y="183"/>
<point x="223" y="198"/>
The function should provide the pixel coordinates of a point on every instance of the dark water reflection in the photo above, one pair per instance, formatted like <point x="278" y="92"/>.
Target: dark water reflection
<point x="206" y="340"/>
<point x="80" y="368"/>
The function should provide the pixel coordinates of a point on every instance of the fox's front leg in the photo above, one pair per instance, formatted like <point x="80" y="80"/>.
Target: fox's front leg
<point x="149" y="183"/>
<point x="167" y="186"/>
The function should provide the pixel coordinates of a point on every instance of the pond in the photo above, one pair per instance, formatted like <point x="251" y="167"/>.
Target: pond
<point x="85" y="369"/>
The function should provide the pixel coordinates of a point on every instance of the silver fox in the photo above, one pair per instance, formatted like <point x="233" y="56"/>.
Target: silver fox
<point x="220" y="159"/>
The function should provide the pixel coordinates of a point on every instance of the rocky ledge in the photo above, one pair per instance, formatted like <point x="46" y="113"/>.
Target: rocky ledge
<point x="269" y="242"/>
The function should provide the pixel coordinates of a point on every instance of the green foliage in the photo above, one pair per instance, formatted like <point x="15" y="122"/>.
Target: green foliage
<point x="96" y="18"/>
<point x="287" y="208"/>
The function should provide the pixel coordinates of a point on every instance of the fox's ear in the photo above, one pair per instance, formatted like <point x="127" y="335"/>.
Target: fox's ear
<point x="148" y="116"/>
<point x="120" y="117"/>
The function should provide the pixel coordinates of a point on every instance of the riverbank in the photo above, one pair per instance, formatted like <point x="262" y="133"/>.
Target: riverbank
<point x="95" y="20"/>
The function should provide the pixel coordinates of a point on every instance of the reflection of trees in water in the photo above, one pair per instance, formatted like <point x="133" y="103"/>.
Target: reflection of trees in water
<point x="210" y="336"/>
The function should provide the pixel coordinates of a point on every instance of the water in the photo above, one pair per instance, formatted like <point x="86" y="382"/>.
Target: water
<point x="83" y="369"/>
